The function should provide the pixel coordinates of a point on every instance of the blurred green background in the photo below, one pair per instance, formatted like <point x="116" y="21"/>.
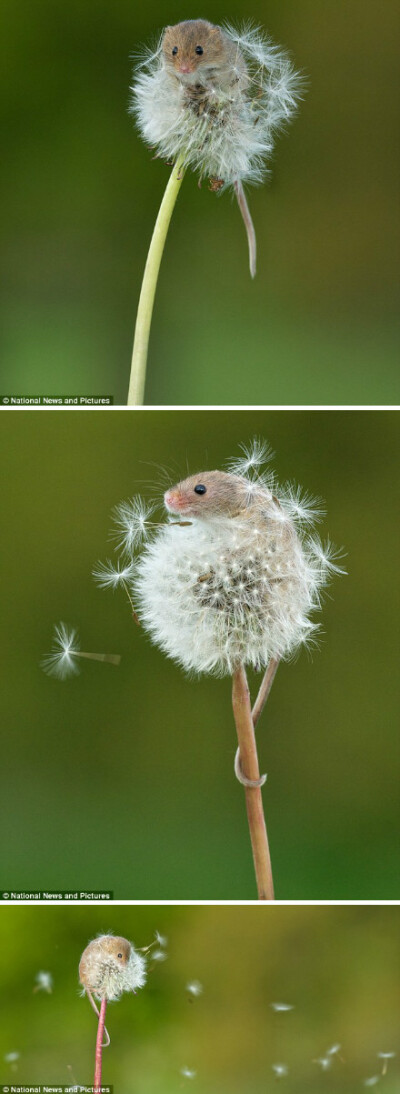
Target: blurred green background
<point x="122" y="778"/>
<point x="80" y="193"/>
<point x="338" y="967"/>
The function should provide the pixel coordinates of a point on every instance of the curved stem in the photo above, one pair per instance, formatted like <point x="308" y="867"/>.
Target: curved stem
<point x="249" y="765"/>
<point x="99" y="1045"/>
<point x="265" y="688"/>
<point x="149" y="284"/>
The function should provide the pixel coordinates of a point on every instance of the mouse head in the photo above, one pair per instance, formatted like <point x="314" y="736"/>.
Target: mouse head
<point x="190" y="46"/>
<point x="116" y="947"/>
<point x="206" y="495"/>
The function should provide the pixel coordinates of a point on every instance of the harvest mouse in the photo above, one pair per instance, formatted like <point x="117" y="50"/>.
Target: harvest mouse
<point x="206" y="62"/>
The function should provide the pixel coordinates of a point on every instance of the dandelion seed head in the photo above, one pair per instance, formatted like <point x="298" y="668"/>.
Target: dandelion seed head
<point x="110" y="965"/>
<point x="236" y="581"/>
<point x="221" y="108"/>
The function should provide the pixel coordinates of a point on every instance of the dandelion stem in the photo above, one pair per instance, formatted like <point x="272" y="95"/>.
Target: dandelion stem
<point x="99" y="1046"/>
<point x="265" y="689"/>
<point x="249" y="764"/>
<point x="149" y="284"/>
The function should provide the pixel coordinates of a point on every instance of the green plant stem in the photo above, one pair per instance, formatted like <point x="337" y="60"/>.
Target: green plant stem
<point x="149" y="285"/>
<point x="249" y="765"/>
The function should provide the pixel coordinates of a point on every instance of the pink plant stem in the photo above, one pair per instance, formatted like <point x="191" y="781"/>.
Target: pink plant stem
<point x="250" y="769"/>
<point x="99" y="1045"/>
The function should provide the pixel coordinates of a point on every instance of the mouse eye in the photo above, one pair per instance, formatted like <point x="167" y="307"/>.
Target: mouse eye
<point x="119" y="954"/>
<point x="200" y="489"/>
<point x="174" y="51"/>
<point x="199" y="50"/>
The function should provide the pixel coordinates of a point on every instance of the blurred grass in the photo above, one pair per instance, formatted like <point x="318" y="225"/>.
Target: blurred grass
<point x="123" y="778"/>
<point x="336" y="966"/>
<point x="80" y="193"/>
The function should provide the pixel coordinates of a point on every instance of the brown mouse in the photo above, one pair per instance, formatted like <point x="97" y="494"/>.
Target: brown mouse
<point x="211" y="494"/>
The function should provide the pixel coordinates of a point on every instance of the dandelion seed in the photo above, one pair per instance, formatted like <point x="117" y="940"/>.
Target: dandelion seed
<point x="132" y="520"/>
<point x="281" y="1007"/>
<point x="109" y="575"/>
<point x="333" y="1051"/>
<point x="372" y="1081"/>
<point x="44" y="982"/>
<point x="162" y="941"/>
<point x="324" y="1062"/>
<point x="61" y="662"/>
<point x="194" y="988"/>
<point x="255" y="456"/>
<point x="12" y="1057"/>
<point x="385" y="1056"/>
<point x="188" y="1073"/>
<point x="281" y="1070"/>
<point x="159" y="955"/>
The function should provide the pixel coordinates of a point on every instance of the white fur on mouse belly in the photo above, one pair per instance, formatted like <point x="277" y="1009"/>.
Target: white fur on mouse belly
<point x="225" y="591"/>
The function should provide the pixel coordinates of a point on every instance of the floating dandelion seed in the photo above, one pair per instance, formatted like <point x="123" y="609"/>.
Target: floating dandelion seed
<point x="159" y="955"/>
<point x="372" y="1081"/>
<point x="255" y="456"/>
<point x="188" y="1073"/>
<point x="282" y="1006"/>
<point x="61" y="662"/>
<point x="194" y="988"/>
<point x="385" y="1056"/>
<point x="281" y="1070"/>
<point x="160" y="938"/>
<point x="333" y="1051"/>
<point x="324" y="1062"/>
<point x="12" y="1057"/>
<point x="44" y="982"/>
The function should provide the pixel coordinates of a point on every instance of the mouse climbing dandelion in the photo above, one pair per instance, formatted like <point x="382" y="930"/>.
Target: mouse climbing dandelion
<point x="109" y="966"/>
<point x="212" y="99"/>
<point x="233" y="580"/>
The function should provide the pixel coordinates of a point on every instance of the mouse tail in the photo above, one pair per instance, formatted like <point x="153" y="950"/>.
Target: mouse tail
<point x="249" y="226"/>
<point x="96" y="1011"/>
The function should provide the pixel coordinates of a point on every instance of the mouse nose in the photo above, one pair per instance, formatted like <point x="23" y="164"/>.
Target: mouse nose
<point x="185" y="68"/>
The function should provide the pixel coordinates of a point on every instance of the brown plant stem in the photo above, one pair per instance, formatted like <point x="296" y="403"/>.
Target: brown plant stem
<point x="249" y="765"/>
<point x="99" y="1046"/>
<point x="265" y="689"/>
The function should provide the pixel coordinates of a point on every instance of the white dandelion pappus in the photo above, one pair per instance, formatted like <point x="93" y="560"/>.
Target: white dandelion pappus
<point x="194" y="988"/>
<point x="132" y="523"/>
<point x="61" y="662"/>
<point x="11" y="1057"/>
<point x="44" y="982"/>
<point x="109" y="575"/>
<point x="159" y="955"/>
<point x="280" y="1070"/>
<point x="188" y="1073"/>
<point x="282" y="1007"/>
<point x="372" y="1081"/>
<point x="333" y="1051"/>
<point x="161" y="939"/>
<point x="324" y="1062"/>
<point x="236" y="582"/>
